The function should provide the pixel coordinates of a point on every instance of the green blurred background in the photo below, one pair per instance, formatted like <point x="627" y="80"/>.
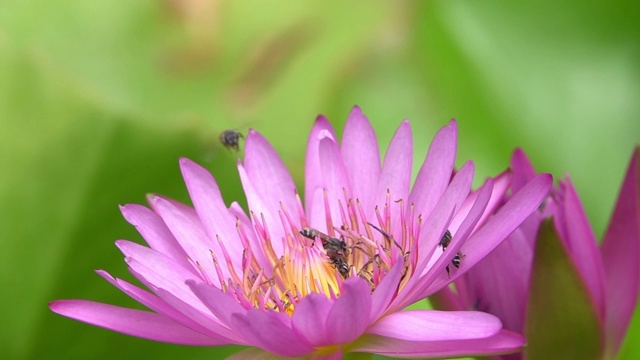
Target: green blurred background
<point x="98" y="100"/>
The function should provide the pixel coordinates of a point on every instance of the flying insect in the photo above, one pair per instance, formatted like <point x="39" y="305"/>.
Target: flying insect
<point x="231" y="139"/>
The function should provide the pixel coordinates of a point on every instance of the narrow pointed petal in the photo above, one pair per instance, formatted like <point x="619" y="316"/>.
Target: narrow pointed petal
<point x="184" y="224"/>
<point x="560" y="311"/>
<point x="138" y="323"/>
<point x="441" y="216"/>
<point x="503" y="342"/>
<point x="153" y="230"/>
<point x="310" y="319"/>
<point x="157" y="304"/>
<point x="269" y="331"/>
<point x="582" y="244"/>
<point x="202" y="317"/>
<point x="222" y="305"/>
<point x="431" y="233"/>
<point x="268" y="173"/>
<point x="434" y="325"/>
<point x="500" y="185"/>
<point x="435" y="174"/>
<point x="335" y="179"/>
<point x="260" y="209"/>
<point x="349" y="316"/>
<point x="386" y="290"/>
<point x="361" y="155"/>
<point x="522" y="169"/>
<point x="313" y="177"/>
<point x="395" y="176"/>
<point x="498" y="227"/>
<point x="207" y="201"/>
<point x="270" y="178"/>
<point x="499" y="284"/>
<point x="158" y="271"/>
<point x="621" y="257"/>
<point x="438" y="268"/>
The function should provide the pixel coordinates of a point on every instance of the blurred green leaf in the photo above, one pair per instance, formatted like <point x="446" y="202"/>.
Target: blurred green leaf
<point x="561" y="318"/>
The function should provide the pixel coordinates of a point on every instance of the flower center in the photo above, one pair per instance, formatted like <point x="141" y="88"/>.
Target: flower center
<point x="317" y="261"/>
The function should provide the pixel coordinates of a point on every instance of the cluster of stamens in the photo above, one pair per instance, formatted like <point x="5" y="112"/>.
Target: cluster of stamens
<point x="314" y="261"/>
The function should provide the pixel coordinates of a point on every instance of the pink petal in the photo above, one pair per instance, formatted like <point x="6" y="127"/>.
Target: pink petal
<point x="158" y="271"/>
<point x="497" y="228"/>
<point x="621" y="257"/>
<point x="431" y="233"/>
<point x="385" y="291"/>
<point x="268" y="173"/>
<point x="185" y="225"/>
<point x="501" y="280"/>
<point x="313" y="176"/>
<point x="138" y="323"/>
<point x="502" y="343"/>
<point x="361" y="156"/>
<point x="222" y="305"/>
<point x="435" y="224"/>
<point x="395" y="176"/>
<point x="499" y="188"/>
<point x="349" y="316"/>
<point x="523" y="170"/>
<point x="210" y="207"/>
<point x="438" y="269"/>
<point x="201" y="316"/>
<point x="582" y="244"/>
<point x="269" y="330"/>
<point x="335" y="179"/>
<point x="153" y="230"/>
<point x="433" y="325"/>
<point x="501" y="184"/>
<point x="270" y="179"/>
<point x="272" y="221"/>
<point x="310" y="318"/>
<point x="156" y="304"/>
<point x="435" y="174"/>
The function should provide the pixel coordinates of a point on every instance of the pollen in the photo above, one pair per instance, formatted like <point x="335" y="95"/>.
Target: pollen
<point x="315" y="261"/>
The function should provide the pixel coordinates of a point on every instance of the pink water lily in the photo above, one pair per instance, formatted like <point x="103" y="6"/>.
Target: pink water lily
<point x="502" y="283"/>
<point x="327" y="279"/>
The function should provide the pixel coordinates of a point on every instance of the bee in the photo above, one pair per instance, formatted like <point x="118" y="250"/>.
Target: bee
<point x="335" y="249"/>
<point x="231" y="139"/>
<point x="457" y="259"/>
<point x="341" y="265"/>
<point x="446" y="240"/>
